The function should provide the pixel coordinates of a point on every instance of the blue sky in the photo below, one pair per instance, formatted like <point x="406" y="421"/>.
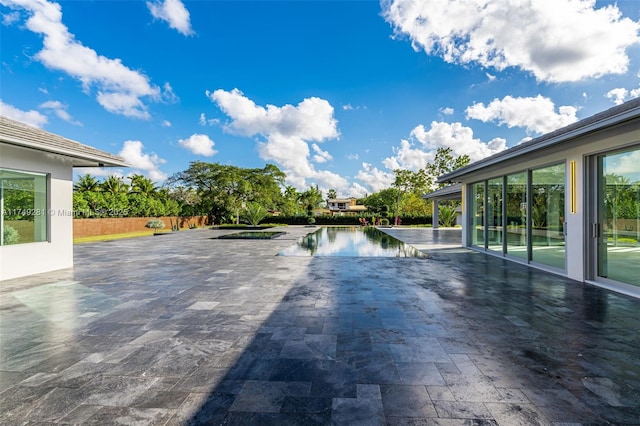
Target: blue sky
<point x="335" y="93"/>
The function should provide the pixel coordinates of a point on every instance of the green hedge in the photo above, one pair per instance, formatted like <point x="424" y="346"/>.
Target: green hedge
<point x="345" y="220"/>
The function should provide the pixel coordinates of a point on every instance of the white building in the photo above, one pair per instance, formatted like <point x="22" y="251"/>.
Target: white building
<point x="36" y="197"/>
<point x="344" y="206"/>
<point x="567" y="202"/>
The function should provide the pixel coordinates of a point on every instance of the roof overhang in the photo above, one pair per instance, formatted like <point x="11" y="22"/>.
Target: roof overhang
<point x="612" y="117"/>
<point x="20" y="135"/>
<point x="451" y="192"/>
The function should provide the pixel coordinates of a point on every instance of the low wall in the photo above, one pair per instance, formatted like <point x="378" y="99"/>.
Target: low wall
<point x="123" y="225"/>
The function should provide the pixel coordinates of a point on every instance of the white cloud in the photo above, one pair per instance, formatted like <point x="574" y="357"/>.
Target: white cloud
<point x="60" y="110"/>
<point x="559" y="41"/>
<point x="536" y="115"/>
<point x="352" y="156"/>
<point x="349" y="107"/>
<point x="168" y="95"/>
<point x="204" y="121"/>
<point x="199" y="145"/>
<point x="165" y="123"/>
<point x="321" y="156"/>
<point x="374" y="178"/>
<point x="98" y="171"/>
<point x="10" y="18"/>
<point x="625" y="164"/>
<point x="621" y="95"/>
<point x="287" y="132"/>
<point x="415" y="153"/>
<point x="312" y="119"/>
<point x="446" y="111"/>
<point x="119" y="89"/>
<point x="174" y="13"/>
<point x="31" y="117"/>
<point x="132" y="152"/>
<point x="490" y="77"/>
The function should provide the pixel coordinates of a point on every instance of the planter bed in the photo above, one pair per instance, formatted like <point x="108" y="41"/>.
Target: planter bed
<point x="251" y="235"/>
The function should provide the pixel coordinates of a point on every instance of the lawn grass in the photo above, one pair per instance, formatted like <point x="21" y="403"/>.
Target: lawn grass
<point x="111" y="237"/>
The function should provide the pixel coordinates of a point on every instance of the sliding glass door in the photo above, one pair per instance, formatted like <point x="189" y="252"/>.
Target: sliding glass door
<point x="616" y="230"/>
<point x="494" y="214"/>
<point x="516" y="220"/>
<point x="547" y="215"/>
<point x="477" y="215"/>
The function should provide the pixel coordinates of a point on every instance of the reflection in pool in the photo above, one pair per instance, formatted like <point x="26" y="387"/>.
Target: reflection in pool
<point x="350" y="241"/>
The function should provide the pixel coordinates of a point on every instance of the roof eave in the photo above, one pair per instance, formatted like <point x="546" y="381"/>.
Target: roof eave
<point x="527" y="148"/>
<point x="94" y="160"/>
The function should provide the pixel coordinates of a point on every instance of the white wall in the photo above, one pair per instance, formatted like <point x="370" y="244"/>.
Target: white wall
<point x="32" y="258"/>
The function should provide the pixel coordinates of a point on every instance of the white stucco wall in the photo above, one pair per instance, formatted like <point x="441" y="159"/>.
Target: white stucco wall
<point x="31" y="258"/>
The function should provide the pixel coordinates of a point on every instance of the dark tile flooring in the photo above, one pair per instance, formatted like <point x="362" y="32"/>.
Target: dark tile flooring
<point x="185" y="329"/>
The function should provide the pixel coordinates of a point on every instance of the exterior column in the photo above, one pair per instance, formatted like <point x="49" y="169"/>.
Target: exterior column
<point x="435" y="213"/>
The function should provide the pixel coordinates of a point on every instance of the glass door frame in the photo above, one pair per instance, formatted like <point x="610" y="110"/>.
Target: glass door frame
<point x="596" y="244"/>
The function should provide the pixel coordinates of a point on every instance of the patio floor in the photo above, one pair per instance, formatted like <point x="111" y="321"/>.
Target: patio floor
<point x="185" y="329"/>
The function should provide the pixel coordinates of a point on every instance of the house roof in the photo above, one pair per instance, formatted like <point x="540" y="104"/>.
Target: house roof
<point x="614" y="116"/>
<point x="19" y="134"/>
<point x="341" y="200"/>
<point x="451" y="192"/>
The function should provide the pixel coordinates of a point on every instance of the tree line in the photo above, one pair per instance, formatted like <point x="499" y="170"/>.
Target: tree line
<point x="224" y="193"/>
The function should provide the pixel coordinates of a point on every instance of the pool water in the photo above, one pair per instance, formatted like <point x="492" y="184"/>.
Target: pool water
<point x="350" y="241"/>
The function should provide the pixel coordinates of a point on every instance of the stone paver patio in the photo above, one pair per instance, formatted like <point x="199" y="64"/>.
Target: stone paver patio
<point x="186" y="329"/>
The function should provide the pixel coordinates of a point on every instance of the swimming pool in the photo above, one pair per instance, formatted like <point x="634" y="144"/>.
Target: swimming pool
<point x="350" y="241"/>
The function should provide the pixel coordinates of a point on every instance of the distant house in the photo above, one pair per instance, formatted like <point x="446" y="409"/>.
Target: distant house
<point x="36" y="197"/>
<point x="567" y="202"/>
<point x="344" y="206"/>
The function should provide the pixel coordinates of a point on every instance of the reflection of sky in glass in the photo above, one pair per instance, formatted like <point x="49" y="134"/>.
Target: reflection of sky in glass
<point x="350" y="242"/>
<point x="624" y="164"/>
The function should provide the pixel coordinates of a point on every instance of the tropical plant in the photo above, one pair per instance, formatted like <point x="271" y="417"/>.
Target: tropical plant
<point x="253" y="214"/>
<point x="447" y="216"/>
<point x="10" y="235"/>
<point x="86" y="183"/>
<point x="142" y="185"/>
<point x="114" y="185"/>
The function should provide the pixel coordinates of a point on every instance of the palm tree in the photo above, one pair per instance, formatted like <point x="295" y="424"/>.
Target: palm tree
<point x="86" y="183"/>
<point x="142" y="185"/>
<point x="114" y="185"/>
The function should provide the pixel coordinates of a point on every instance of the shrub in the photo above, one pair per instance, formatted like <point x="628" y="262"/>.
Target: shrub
<point x="447" y="216"/>
<point x="10" y="235"/>
<point x="254" y="214"/>
<point x="155" y="224"/>
<point x="384" y="222"/>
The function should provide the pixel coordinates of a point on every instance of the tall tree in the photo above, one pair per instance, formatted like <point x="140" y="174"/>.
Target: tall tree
<point x="114" y="185"/>
<point x="86" y="183"/>
<point x="142" y="185"/>
<point x="444" y="162"/>
<point x="224" y="190"/>
<point x="311" y="197"/>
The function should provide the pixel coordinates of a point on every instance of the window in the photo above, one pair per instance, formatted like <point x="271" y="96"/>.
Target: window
<point x="516" y="219"/>
<point x="618" y="216"/>
<point x="23" y="207"/>
<point x="547" y="215"/>
<point x="477" y="214"/>
<point x="494" y="214"/>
